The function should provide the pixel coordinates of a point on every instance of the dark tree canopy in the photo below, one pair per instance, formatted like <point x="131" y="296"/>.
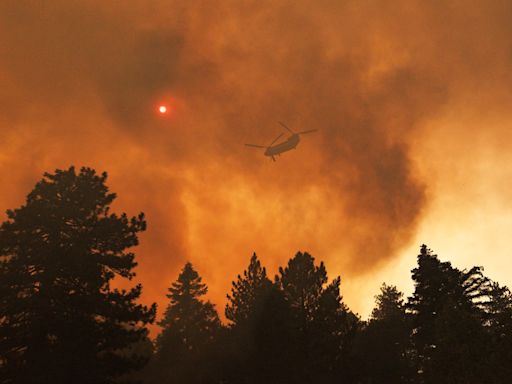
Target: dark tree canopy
<point x="382" y="346"/>
<point x="188" y="321"/>
<point x="303" y="283"/>
<point x="456" y="328"/>
<point x="248" y="293"/>
<point x="321" y="325"/>
<point x="61" y="320"/>
<point x="189" y="327"/>
<point x="448" y="320"/>
<point x="390" y="304"/>
<point x="259" y="325"/>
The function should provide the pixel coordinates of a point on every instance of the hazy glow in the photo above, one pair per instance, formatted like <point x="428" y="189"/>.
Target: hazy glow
<point x="162" y="109"/>
<point x="411" y="100"/>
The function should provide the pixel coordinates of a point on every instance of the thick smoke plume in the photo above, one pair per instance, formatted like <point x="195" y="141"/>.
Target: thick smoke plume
<point x="80" y="83"/>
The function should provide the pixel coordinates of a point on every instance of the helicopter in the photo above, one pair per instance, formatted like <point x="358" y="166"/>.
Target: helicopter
<point x="290" y="143"/>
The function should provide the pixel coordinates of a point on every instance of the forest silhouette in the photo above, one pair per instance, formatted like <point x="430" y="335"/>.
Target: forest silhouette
<point x="63" y="321"/>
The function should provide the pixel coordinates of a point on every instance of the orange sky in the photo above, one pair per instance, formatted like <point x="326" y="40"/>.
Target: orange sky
<point x="411" y="100"/>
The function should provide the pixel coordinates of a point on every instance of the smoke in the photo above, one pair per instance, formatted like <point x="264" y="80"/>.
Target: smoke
<point x="80" y="82"/>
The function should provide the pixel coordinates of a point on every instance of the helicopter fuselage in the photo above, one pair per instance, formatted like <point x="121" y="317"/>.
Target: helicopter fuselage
<point x="290" y="143"/>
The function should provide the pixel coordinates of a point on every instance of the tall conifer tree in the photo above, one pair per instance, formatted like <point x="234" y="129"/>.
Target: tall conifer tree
<point x="60" y="319"/>
<point x="321" y="326"/>
<point x="448" y="321"/>
<point x="189" y="328"/>
<point x="248" y="293"/>
<point x="499" y="315"/>
<point x="383" y="346"/>
<point x="258" y="335"/>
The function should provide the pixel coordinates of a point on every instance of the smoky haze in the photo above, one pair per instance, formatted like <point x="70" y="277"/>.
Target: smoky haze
<point x="80" y="83"/>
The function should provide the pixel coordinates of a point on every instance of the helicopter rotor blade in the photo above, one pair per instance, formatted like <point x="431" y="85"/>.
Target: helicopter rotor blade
<point x="308" y="131"/>
<point x="286" y="127"/>
<point x="277" y="138"/>
<point x="255" y="146"/>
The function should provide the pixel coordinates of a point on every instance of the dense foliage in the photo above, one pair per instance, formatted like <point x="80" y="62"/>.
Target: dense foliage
<point x="455" y="328"/>
<point x="60" y="319"/>
<point x="62" y="322"/>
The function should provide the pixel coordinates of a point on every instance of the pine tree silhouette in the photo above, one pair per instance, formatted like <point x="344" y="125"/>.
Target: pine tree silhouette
<point x="60" y="319"/>
<point x="448" y="321"/>
<point x="248" y="293"/>
<point x="259" y="332"/>
<point x="321" y="325"/>
<point x="383" y="348"/>
<point x="189" y="328"/>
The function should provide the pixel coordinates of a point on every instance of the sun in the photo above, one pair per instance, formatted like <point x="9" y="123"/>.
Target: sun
<point x="162" y="109"/>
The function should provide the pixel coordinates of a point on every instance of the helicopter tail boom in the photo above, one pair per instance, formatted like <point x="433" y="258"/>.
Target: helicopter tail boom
<point x="255" y="146"/>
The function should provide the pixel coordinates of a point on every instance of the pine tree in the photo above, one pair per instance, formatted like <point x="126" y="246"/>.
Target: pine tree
<point x="302" y="283"/>
<point x="382" y="347"/>
<point x="189" y="327"/>
<point x="448" y="321"/>
<point x="499" y="324"/>
<point x="248" y="293"/>
<point x="322" y="326"/>
<point x="61" y="321"/>
<point x="389" y="304"/>
<point x="258" y="334"/>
